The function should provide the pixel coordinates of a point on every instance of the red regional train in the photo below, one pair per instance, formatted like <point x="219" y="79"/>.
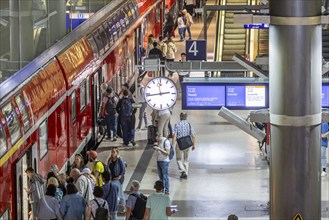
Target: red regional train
<point x="48" y="110"/>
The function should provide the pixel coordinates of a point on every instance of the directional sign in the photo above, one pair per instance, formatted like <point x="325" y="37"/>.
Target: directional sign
<point x="256" y="26"/>
<point x="196" y="50"/>
<point x="298" y="217"/>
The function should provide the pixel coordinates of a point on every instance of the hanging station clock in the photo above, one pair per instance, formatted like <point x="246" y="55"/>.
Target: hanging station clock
<point x="160" y="93"/>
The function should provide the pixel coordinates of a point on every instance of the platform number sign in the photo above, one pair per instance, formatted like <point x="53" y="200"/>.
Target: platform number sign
<point x="196" y="50"/>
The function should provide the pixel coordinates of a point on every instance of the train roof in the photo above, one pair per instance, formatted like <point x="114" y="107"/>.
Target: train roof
<point x="19" y="78"/>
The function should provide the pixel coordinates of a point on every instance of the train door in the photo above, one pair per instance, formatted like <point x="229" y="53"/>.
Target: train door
<point x="73" y="124"/>
<point x="96" y="101"/>
<point x="29" y="159"/>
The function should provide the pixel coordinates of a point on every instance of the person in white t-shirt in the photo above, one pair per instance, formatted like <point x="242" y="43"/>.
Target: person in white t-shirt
<point x="162" y="152"/>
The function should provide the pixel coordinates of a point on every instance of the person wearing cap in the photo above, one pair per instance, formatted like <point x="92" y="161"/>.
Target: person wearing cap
<point x="82" y="184"/>
<point x="111" y="193"/>
<point x="98" y="167"/>
<point x="182" y="129"/>
<point x="162" y="151"/>
<point x="131" y="201"/>
<point x="34" y="190"/>
<point x="158" y="204"/>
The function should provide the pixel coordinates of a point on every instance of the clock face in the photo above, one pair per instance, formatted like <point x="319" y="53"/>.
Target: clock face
<point x="160" y="93"/>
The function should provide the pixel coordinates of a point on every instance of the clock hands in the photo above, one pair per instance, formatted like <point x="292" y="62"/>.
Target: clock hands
<point x="160" y="93"/>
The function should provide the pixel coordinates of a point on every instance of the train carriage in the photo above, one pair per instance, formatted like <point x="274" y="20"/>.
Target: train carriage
<point x="48" y="110"/>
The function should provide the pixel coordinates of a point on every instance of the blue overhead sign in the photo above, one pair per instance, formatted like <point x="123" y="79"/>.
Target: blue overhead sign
<point x="256" y="26"/>
<point x="196" y="50"/>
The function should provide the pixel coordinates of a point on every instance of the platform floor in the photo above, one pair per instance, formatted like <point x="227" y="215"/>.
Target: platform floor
<point x="228" y="172"/>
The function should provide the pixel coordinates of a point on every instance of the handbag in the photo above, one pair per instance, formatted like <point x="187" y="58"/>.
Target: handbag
<point x="185" y="142"/>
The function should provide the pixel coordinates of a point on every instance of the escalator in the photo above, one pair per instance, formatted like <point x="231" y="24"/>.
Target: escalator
<point x="231" y="38"/>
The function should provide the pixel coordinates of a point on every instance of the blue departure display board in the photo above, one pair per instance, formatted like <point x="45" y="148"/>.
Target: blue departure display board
<point x="215" y="95"/>
<point x="204" y="96"/>
<point x="210" y="96"/>
<point x="325" y="96"/>
<point x="246" y="96"/>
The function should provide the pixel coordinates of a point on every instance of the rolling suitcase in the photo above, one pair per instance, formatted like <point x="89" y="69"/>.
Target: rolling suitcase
<point x="151" y="130"/>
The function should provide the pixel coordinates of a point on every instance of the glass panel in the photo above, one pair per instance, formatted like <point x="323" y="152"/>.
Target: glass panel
<point x="107" y="30"/>
<point x="3" y="142"/>
<point x="43" y="139"/>
<point x="23" y="110"/>
<point x="98" y="41"/>
<point x="103" y="35"/>
<point x="74" y="111"/>
<point x="93" y="46"/>
<point x="82" y="95"/>
<point x="12" y="122"/>
<point x="113" y="29"/>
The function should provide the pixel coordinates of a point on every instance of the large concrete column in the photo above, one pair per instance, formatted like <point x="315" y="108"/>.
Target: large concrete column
<point x="21" y="32"/>
<point x="295" y="108"/>
<point x="57" y="22"/>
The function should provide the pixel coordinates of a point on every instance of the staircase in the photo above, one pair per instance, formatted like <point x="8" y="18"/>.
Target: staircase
<point x="263" y="42"/>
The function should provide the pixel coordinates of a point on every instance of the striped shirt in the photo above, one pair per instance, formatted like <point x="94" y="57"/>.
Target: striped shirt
<point x="182" y="129"/>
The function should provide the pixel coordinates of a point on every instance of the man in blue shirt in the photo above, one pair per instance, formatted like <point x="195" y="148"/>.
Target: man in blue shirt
<point x="324" y="146"/>
<point x="111" y="191"/>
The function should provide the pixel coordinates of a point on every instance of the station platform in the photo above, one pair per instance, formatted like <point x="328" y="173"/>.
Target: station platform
<point x="228" y="172"/>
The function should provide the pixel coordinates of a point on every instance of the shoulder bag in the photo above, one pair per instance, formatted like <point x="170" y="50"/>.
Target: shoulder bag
<point x="186" y="141"/>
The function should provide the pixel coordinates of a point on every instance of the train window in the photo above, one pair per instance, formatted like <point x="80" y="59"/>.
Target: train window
<point x="99" y="41"/>
<point x="124" y="20"/>
<point x="108" y="32"/>
<point x="82" y="95"/>
<point x="23" y="110"/>
<point x="12" y="122"/>
<point x="87" y="91"/>
<point x="103" y="36"/>
<point x="130" y="14"/>
<point x="43" y="139"/>
<point x="132" y="11"/>
<point x="74" y="110"/>
<point x="93" y="46"/>
<point x="116" y="22"/>
<point x="3" y="142"/>
<point x="113" y="29"/>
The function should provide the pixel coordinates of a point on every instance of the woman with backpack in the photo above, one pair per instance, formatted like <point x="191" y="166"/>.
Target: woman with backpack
<point x="49" y="206"/>
<point x="98" y="209"/>
<point x="171" y="50"/>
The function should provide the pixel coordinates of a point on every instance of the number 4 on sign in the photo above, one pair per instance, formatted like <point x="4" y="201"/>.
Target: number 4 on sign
<point x="193" y="49"/>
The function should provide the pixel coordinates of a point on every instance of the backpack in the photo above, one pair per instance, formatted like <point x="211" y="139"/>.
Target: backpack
<point x="171" y="152"/>
<point x="110" y="106"/>
<point x="106" y="168"/>
<point x="101" y="212"/>
<point x="140" y="206"/>
<point x="126" y="107"/>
